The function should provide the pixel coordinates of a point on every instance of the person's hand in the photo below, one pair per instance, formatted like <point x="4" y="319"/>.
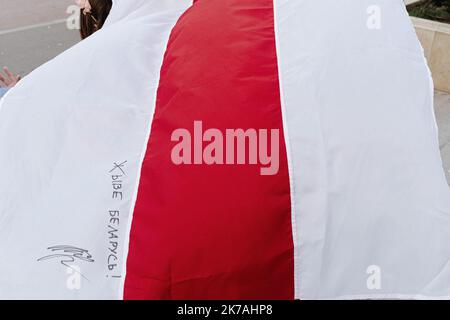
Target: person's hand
<point x="8" y="79"/>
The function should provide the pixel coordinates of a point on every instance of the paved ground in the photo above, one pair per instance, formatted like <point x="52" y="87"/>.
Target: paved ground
<point x="23" y="13"/>
<point x="34" y="31"/>
<point x="442" y="107"/>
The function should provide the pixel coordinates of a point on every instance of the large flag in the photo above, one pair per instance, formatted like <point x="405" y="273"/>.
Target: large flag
<point x="254" y="149"/>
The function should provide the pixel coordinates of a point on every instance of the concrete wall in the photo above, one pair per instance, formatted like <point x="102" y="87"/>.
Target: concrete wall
<point x="435" y="39"/>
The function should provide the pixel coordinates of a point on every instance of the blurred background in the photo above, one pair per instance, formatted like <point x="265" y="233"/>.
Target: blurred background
<point x="34" y="31"/>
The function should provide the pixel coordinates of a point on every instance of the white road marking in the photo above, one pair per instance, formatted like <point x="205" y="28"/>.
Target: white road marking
<point x="34" y="26"/>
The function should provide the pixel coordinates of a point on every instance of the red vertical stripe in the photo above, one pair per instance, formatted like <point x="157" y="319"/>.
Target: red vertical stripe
<point x="214" y="231"/>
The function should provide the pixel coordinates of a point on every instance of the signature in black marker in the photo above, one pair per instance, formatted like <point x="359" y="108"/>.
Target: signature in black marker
<point x="67" y="255"/>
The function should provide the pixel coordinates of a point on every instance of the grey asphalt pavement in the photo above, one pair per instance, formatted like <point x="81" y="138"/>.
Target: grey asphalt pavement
<point x="25" y="50"/>
<point x="33" y="32"/>
<point x="25" y="13"/>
